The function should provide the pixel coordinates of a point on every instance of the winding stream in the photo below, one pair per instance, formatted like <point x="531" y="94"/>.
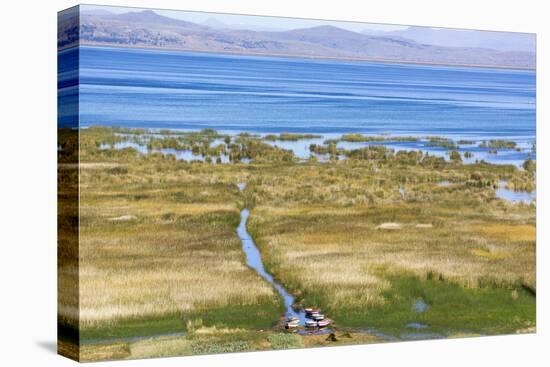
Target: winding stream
<point x="411" y="331"/>
<point x="254" y="260"/>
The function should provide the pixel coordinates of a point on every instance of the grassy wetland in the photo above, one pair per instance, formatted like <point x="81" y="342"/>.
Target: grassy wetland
<point x="391" y="245"/>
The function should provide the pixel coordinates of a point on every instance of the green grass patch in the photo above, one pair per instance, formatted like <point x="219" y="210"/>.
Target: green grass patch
<point x="130" y="328"/>
<point x="319" y="228"/>
<point x="285" y="341"/>
<point x="260" y="316"/>
<point x="450" y="308"/>
<point x="199" y="347"/>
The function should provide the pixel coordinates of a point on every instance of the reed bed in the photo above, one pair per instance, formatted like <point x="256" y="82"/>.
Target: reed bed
<point x="362" y="238"/>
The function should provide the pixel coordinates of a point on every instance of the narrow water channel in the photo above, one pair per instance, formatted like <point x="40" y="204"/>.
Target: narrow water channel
<point x="254" y="260"/>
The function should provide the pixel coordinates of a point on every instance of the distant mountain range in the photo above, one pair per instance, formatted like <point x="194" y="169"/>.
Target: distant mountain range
<point x="149" y="29"/>
<point x="502" y="41"/>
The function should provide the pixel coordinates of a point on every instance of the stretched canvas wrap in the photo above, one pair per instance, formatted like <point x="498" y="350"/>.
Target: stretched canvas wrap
<point x="233" y="183"/>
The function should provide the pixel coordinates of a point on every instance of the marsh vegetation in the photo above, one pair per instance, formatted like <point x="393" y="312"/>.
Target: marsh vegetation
<point x="365" y="238"/>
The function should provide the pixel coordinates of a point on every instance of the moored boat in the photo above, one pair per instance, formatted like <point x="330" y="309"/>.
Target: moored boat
<point x="318" y="317"/>
<point x="292" y="323"/>
<point x="311" y="310"/>
<point x="324" y="322"/>
<point x="311" y="323"/>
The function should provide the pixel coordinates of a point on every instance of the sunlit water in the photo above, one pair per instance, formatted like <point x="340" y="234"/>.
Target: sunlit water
<point x="190" y="90"/>
<point x="301" y="149"/>
<point x="506" y="194"/>
<point x="514" y="196"/>
<point x="235" y="93"/>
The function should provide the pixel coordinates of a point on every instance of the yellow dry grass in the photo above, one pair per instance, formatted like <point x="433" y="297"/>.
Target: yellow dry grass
<point x="507" y="231"/>
<point x="160" y="347"/>
<point x="332" y="230"/>
<point x="342" y="254"/>
<point x="168" y="257"/>
<point x="490" y="255"/>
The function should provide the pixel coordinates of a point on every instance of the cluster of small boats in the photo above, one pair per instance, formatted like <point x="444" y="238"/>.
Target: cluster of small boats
<point x="314" y="319"/>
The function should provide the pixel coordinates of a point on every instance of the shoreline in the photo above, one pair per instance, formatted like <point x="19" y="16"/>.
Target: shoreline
<point x="322" y="134"/>
<point x="297" y="56"/>
<point x="513" y="152"/>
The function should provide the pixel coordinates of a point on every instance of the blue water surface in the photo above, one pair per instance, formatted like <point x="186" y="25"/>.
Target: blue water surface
<point x="187" y="90"/>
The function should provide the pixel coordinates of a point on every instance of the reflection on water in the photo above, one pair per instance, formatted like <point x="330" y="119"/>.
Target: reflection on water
<point x="514" y="157"/>
<point x="515" y="196"/>
<point x="300" y="149"/>
<point x="506" y="194"/>
<point x="142" y="148"/>
<point x="180" y="154"/>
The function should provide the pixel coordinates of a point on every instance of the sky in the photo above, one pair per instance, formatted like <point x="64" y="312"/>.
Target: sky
<point x="254" y="22"/>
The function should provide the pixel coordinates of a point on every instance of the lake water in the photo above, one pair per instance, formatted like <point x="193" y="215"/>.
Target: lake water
<point x="190" y="91"/>
<point x="185" y="90"/>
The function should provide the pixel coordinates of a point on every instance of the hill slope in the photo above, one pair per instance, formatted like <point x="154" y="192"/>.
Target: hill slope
<point x="148" y="29"/>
